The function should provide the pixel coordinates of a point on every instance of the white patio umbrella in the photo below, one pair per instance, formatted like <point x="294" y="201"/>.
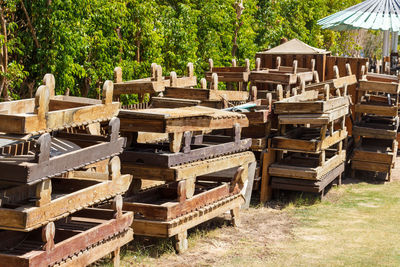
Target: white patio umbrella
<point x="371" y="14"/>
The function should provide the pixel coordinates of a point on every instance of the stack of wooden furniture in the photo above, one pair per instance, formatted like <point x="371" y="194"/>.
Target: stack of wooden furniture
<point x="308" y="148"/>
<point x="376" y="126"/>
<point x="51" y="178"/>
<point x="188" y="162"/>
<point x="267" y="80"/>
<point x="203" y="96"/>
<point x="235" y="77"/>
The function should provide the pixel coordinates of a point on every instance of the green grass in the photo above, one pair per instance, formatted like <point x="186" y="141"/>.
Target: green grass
<point x="361" y="228"/>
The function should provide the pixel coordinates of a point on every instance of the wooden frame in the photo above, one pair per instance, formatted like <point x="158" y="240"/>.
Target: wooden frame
<point x="178" y="227"/>
<point x="152" y="85"/>
<point x="189" y="170"/>
<point x="179" y="120"/>
<point x="58" y="197"/>
<point x="204" y="94"/>
<point x="309" y="185"/>
<point x="78" y="240"/>
<point x="195" y="148"/>
<point x="282" y="74"/>
<point x="306" y="168"/>
<point x="162" y="203"/>
<point x="308" y="102"/>
<point x="374" y="155"/>
<point x="22" y="164"/>
<point x="230" y="74"/>
<point x="47" y="112"/>
<point x="308" y="140"/>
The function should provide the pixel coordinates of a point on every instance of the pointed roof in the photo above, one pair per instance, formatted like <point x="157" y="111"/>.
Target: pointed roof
<point x="295" y="47"/>
<point x="370" y="14"/>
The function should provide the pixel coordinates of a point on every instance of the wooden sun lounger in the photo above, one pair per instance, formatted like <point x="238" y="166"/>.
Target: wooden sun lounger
<point x="78" y="240"/>
<point x="27" y="207"/>
<point x="179" y="226"/>
<point x="22" y="163"/>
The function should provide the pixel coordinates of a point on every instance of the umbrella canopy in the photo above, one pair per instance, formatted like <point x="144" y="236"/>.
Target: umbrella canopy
<point x="370" y="14"/>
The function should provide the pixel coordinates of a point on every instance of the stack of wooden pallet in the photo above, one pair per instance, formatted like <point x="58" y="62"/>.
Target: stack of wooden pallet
<point x="377" y="123"/>
<point x="45" y="195"/>
<point x="310" y="140"/>
<point x="190" y="163"/>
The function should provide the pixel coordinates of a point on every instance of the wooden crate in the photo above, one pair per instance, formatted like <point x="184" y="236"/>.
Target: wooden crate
<point x="77" y="240"/>
<point x="178" y="227"/>
<point x="27" y="207"/>
<point x="48" y="112"/>
<point x="27" y="161"/>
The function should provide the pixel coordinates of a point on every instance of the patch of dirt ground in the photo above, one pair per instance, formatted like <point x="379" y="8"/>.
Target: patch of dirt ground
<point x="215" y="241"/>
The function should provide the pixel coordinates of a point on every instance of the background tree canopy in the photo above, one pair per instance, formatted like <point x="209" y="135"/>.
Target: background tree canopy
<point x="81" y="41"/>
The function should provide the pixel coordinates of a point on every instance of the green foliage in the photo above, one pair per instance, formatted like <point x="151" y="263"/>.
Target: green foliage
<point x="81" y="41"/>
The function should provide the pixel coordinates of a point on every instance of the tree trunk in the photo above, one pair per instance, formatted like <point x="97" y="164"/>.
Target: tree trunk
<point x="28" y="20"/>
<point x="4" y="56"/>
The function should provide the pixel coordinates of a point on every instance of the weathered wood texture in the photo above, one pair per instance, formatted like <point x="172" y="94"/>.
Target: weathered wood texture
<point x="154" y="84"/>
<point x="185" y="222"/>
<point x="308" y="185"/>
<point x="22" y="163"/>
<point x="304" y="61"/>
<point x="305" y="167"/>
<point x="195" y="169"/>
<point x="159" y="155"/>
<point x="79" y="240"/>
<point x="19" y="213"/>
<point x="47" y="112"/>
<point x="179" y="120"/>
<point x="162" y="204"/>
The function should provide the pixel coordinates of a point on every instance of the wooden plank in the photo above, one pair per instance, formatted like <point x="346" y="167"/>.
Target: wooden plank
<point x="165" y="159"/>
<point x="170" y="209"/>
<point x="72" y="237"/>
<point x="381" y="110"/>
<point x="171" y="228"/>
<point x="311" y="173"/>
<point x="379" y="87"/>
<point x="185" y="171"/>
<point x="34" y="217"/>
<point x="268" y="158"/>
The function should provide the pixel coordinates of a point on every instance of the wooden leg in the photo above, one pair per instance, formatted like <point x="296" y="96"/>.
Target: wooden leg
<point x="43" y="193"/>
<point x="235" y="217"/>
<point x="116" y="257"/>
<point x="389" y="176"/>
<point x="175" y="142"/>
<point x="340" y="180"/>
<point x="181" y="242"/>
<point x="323" y="194"/>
